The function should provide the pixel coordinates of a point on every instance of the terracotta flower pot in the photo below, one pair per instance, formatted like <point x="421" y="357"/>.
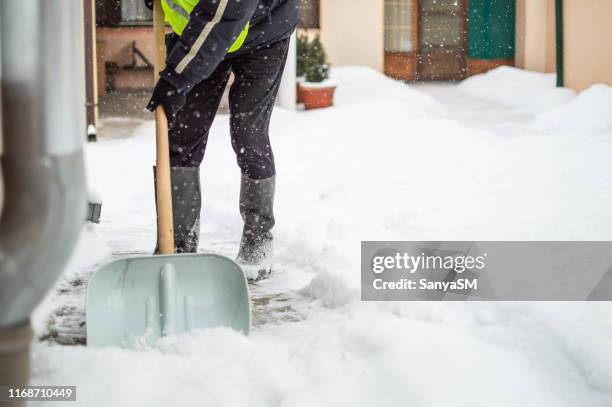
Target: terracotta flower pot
<point x="316" y="95"/>
<point x="299" y="93"/>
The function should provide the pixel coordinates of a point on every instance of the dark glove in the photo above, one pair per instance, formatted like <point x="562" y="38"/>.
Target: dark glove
<point x="169" y="97"/>
<point x="149" y="4"/>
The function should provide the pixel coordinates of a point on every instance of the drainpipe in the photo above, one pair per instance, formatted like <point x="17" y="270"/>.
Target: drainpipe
<point x="42" y="116"/>
<point x="560" y="46"/>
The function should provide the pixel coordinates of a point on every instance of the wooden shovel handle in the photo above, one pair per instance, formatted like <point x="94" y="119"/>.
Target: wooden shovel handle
<point x="165" y="229"/>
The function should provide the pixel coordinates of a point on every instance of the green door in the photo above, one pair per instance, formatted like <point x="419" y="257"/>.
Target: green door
<point x="491" y="29"/>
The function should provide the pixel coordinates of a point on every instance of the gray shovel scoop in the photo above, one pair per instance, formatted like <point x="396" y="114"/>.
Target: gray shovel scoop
<point x="141" y="299"/>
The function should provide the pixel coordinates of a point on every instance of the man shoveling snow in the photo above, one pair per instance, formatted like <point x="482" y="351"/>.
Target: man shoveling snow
<point x="210" y="40"/>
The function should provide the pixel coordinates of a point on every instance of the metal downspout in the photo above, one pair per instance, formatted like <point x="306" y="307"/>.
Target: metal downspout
<point x="43" y="126"/>
<point x="560" y="45"/>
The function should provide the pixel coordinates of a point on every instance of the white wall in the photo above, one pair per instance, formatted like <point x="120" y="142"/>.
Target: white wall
<point x="535" y="35"/>
<point x="352" y="32"/>
<point x="588" y="54"/>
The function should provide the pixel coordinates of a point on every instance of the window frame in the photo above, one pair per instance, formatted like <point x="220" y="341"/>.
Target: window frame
<point x="109" y="14"/>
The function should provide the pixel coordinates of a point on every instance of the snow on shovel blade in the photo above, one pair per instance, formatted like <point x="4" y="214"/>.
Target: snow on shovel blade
<point x="141" y="299"/>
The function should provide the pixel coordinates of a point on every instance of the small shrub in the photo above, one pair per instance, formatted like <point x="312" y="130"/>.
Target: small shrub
<point x="316" y="68"/>
<point x="302" y="55"/>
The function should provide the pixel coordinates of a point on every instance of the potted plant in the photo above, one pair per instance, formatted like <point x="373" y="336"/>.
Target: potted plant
<point x="317" y="90"/>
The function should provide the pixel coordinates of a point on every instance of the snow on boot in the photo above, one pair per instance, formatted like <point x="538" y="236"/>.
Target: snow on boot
<point x="186" y="206"/>
<point x="256" y="207"/>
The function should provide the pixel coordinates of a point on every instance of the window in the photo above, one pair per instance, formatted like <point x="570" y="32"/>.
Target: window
<point x="118" y="12"/>
<point x="398" y="25"/>
<point x="135" y="11"/>
<point x="310" y="14"/>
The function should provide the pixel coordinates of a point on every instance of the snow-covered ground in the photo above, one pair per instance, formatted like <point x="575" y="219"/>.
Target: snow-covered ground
<point x="502" y="156"/>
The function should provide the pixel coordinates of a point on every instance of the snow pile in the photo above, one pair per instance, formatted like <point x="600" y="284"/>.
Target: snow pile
<point x="534" y="93"/>
<point x="388" y="162"/>
<point x="426" y="355"/>
<point x="527" y="91"/>
<point x="363" y="85"/>
<point x="546" y="101"/>
<point x="590" y="112"/>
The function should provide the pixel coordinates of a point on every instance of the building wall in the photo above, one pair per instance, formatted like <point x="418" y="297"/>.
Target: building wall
<point x="353" y="32"/>
<point x="588" y="54"/>
<point x="115" y="45"/>
<point x="535" y="35"/>
<point x="118" y="42"/>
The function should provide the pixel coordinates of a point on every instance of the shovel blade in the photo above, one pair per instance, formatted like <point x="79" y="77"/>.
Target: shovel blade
<point x="140" y="299"/>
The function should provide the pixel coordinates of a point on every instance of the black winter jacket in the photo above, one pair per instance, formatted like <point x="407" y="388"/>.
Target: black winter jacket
<point x="213" y="27"/>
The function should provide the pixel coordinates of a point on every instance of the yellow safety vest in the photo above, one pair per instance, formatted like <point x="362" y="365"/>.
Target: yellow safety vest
<point x="177" y="15"/>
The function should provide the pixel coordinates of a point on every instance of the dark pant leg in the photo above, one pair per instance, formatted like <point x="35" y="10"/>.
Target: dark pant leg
<point x="252" y="95"/>
<point x="189" y="134"/>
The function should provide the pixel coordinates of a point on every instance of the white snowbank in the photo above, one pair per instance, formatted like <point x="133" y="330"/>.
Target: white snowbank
<point x="527" y="91"/>
<point x="420" y="354"/>
<point x="388" y="162"/>
<point x="590" y="112"/>
<point x="362" y="85"/>
<point x="555" y="109"/>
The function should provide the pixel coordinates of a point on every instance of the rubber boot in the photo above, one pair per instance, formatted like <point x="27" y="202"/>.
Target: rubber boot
<point x="256" y="207"/>
<point x="186" y="207"/>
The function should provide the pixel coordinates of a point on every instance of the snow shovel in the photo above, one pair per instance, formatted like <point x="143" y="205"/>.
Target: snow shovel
<point x="140" y="299"/>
